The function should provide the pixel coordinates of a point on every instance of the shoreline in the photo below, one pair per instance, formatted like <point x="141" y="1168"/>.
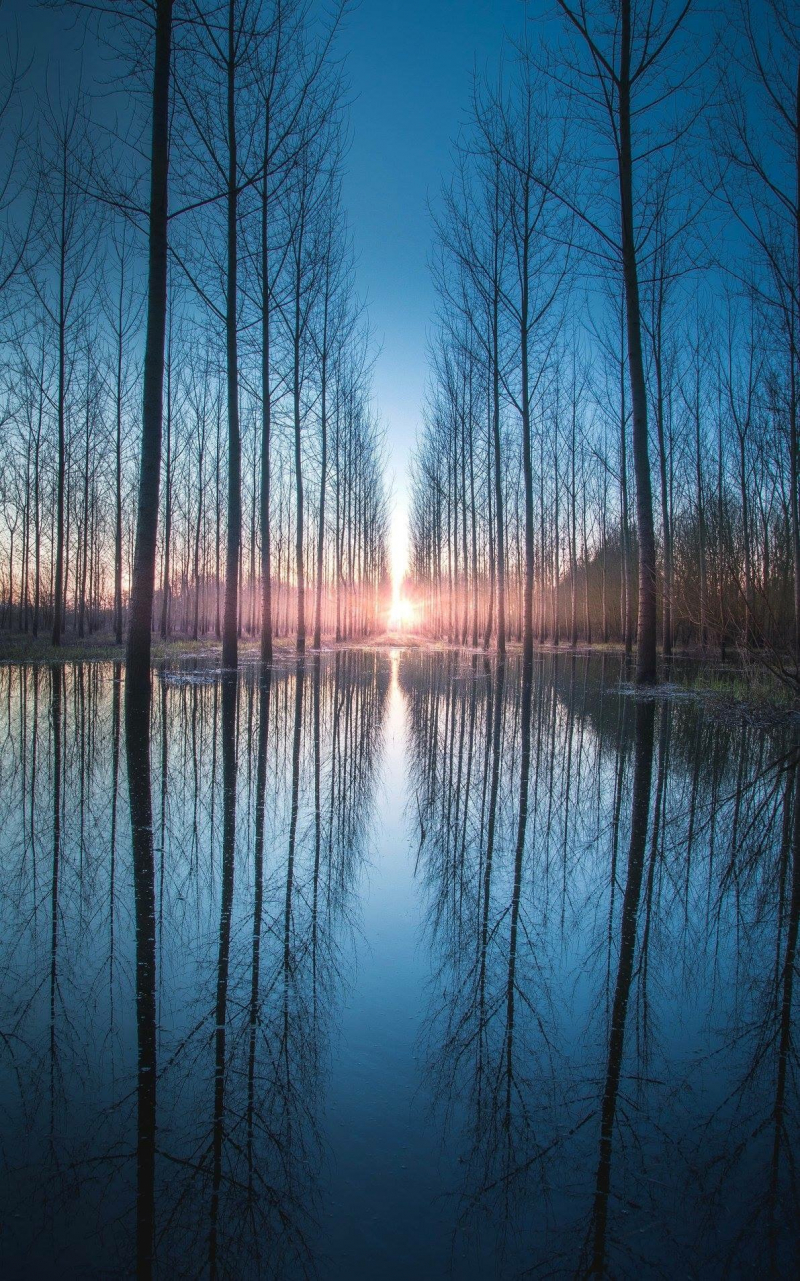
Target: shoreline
<point x="728" y="687"/>
<point x="17" y="646"/>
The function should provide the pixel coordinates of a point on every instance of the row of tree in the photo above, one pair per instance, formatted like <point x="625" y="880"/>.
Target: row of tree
<point x="610" y="446"/>
<point x="252" y="500"/>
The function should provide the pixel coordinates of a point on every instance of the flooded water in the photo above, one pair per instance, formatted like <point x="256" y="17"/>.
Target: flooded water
<point x="400" y="965"/>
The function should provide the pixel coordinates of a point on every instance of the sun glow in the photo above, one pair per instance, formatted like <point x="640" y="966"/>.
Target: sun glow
<point x="402" y="614"/>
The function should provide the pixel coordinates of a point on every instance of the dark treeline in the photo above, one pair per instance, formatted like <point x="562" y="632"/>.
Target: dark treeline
<point x="262" y="463"/>
<point x="190" y="1133"/>
<point x="610" y="450"/>
<point x="612" y="902"/>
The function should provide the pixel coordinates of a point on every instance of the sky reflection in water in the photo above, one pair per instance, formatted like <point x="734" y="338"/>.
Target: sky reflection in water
<point x="439" y="972"/>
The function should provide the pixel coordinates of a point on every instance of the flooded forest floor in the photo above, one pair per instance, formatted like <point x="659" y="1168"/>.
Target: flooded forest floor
<point x="741" y="685"/>
<point x="402" y="961"/>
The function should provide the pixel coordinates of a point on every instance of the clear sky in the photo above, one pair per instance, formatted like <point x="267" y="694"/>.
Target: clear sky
<point x="410" y="65"/>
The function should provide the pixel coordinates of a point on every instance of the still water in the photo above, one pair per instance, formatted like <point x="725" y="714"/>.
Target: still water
<point x="399" y="965"/>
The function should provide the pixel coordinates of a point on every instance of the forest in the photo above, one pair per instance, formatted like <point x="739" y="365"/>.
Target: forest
<point x="609" y="444"/>
<point x="270" y="500"/>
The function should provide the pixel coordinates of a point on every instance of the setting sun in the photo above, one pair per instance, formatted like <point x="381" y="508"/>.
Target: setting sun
<point x="401" y="616"/>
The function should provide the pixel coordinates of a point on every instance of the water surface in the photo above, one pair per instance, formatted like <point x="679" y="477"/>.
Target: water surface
<point x="406" y="965"/>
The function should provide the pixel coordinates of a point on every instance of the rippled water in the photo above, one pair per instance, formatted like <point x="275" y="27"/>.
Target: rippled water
<point x="407" y="966"/>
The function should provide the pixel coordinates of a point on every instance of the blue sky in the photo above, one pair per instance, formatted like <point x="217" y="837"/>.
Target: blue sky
<point x="410" y="65"/>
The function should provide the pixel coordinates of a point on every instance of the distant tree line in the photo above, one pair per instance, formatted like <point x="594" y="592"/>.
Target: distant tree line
<point x="222" y="300"/>
<point x="610" y="444"/>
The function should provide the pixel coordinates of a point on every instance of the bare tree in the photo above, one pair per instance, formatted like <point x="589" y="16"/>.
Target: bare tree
<point x="144" y="565"/>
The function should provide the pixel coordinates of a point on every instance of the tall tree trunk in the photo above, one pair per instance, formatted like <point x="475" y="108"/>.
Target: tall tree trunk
<point x="266" y="416"/>
<point x="626" y="584"/>
<point x="118" y="472"/>
<point x="498" y="471"/>
<point x="166" y="568"/>
<point x="646" y="629"/>
<point x="794" y="439"/>
<point x="196" y="621"/>
<point x="666" y="532"/>
<point x="323" y="423"/>
<point x="62" y="391"/>
<point x="487" y="635"/>
<point x="144" y="562"/>
<point x="230" y="620"/>
<point x="556" y="545"/>
<point x="298" y="473"/>
<point x="85" y="552"/>
<point x="474" y="536"/>
<point x="573" y="535"/>
<point x="749" y="592"/>
<point x="37" y="505"/>
<point x="527" y="464"/>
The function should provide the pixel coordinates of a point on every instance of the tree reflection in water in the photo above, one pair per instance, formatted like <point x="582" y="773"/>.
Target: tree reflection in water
<point x="611" y="1021"/>
<point x="608" y="889"/>
<point x="167" y="988"/>
<point x="137" y="739"/>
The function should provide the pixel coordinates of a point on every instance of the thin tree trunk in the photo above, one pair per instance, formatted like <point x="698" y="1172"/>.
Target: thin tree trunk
<point x="323" y="474"/>
<point x="62" y="322"/>
<point x="266" y="416"/>
<point x="118" y="472"/>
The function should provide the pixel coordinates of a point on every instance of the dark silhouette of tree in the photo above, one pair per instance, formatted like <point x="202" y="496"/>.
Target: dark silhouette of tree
<point x="144" y="559"/>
